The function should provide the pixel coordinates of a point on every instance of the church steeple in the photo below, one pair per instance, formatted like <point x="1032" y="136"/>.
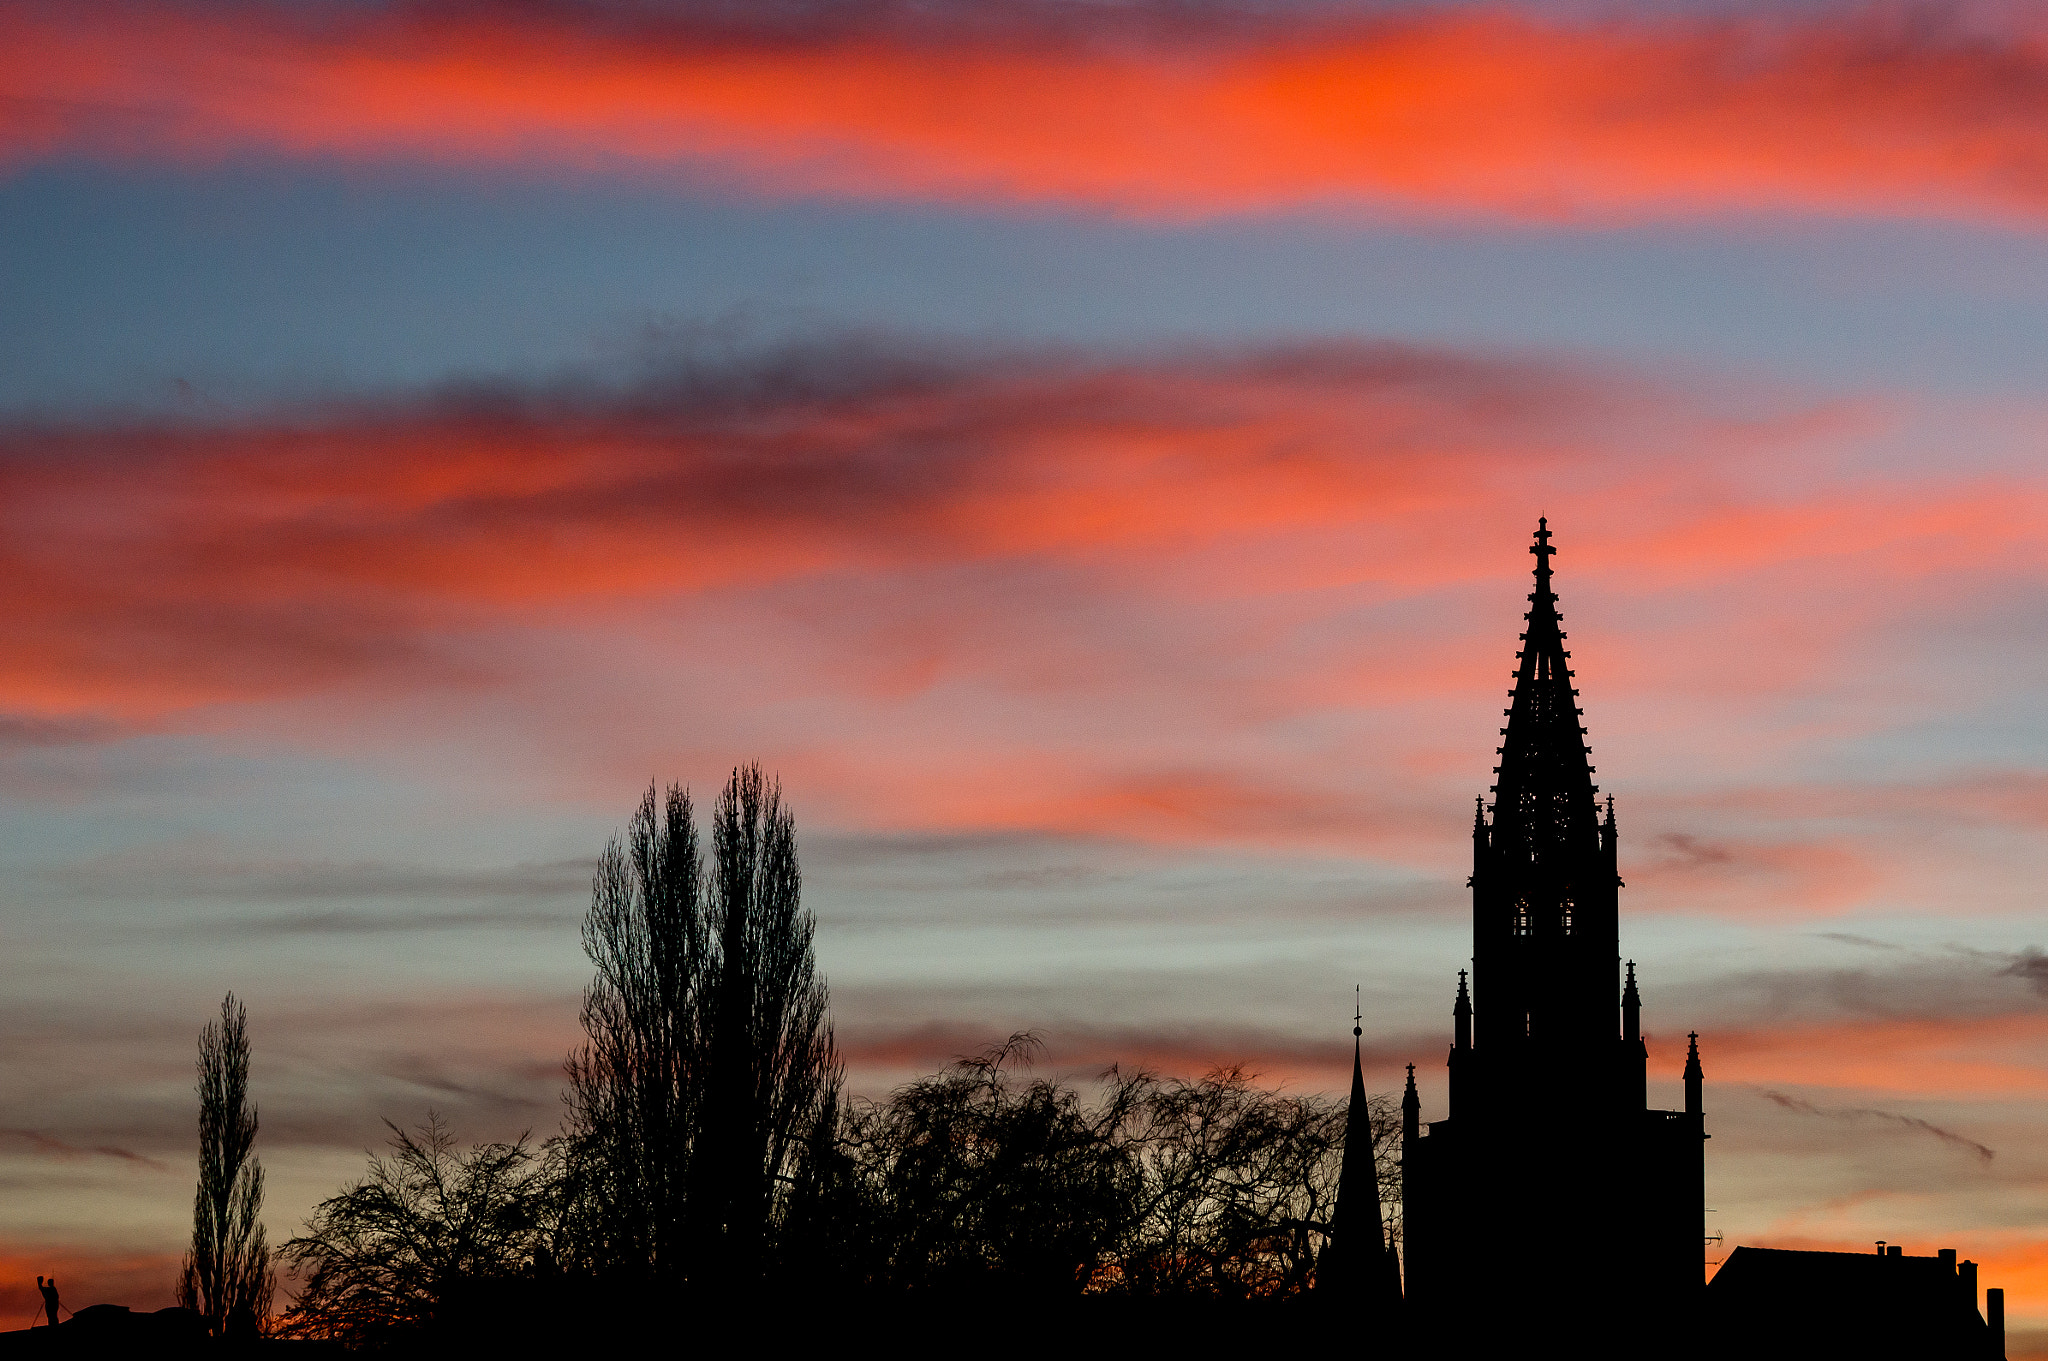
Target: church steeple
<point x="1545" y="927"/>
<point x="1543" y="803"/>
<point x="1548" y="1130"/>
<point x="1359" y="1263"/>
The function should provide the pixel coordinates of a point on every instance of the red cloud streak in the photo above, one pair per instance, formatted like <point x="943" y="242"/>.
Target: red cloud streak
<point x="1492" y="111"/>
<point x="153" y="569"/>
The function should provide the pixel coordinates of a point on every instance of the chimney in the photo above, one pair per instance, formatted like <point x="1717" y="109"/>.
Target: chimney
<point x="1994" y="1316"/>
<point x="1895" y="1251"/>
<point x="1966" y="1274"/>
<point x="1948" y="1258"/>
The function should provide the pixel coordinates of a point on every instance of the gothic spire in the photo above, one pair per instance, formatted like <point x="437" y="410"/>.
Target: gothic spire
<point x="1359" y="1261"/>
<point x="1544" y="801"/>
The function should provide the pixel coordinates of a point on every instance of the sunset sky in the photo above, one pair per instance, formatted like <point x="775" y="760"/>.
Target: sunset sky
<point x="1088" y="451"/>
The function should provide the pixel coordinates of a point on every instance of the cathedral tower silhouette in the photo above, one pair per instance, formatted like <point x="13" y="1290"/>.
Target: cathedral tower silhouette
<point x="1549" y="1184"/>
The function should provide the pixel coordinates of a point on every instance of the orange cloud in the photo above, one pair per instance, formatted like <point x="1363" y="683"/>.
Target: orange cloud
<point x="1493" y="111"/>
<point x="1927" y="1056"/>
<point x="154" y="570"/>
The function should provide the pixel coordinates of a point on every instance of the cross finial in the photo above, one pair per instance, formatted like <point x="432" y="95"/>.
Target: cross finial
<point x="1542" y="549"/>
<point x="1358" y="1012"/>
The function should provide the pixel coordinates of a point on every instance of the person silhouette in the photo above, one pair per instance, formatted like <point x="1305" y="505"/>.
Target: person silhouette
<point x="49" y="1289"/>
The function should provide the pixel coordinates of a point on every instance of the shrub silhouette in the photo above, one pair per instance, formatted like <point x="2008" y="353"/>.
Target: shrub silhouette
<point x="427" y="1224"/>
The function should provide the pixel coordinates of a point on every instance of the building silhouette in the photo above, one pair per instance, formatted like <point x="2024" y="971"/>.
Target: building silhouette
<point x="1549" y="1171"/>
<point x="1775" y="1303"/>
<point x="1551" y="1203"/>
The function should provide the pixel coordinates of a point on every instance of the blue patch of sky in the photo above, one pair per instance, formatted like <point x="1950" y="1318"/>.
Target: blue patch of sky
<point x="242" y="286"/>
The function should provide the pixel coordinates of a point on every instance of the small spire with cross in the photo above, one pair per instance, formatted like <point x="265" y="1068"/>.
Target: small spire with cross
<point x="1358" y="1012"/>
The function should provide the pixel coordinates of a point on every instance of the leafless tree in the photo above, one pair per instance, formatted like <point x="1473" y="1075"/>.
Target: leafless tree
<point x="702" y="1104"/>
<point x="427" y="1222"/>
<point x="227" y="1275"/>
<point x="637" y="1085"/>
<point x="980" y="1172"/>
<point x="1212" y="1186"/>
<point x="772" y="1071"/>
<point x="1238" y="1183"/>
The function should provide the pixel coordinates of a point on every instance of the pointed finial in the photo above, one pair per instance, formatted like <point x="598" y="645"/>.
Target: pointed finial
<point x="1542" y="549"/>
<point x="1358" y="1012"/>
<point x="1631" y="971"/>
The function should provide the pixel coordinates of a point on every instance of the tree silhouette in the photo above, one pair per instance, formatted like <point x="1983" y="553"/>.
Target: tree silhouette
<point x="980" y="1174"/>
<point x="227" y="1276"/>
<point x="427" y="1223"/>
<point x="637" y="1084"/>
<point x="1236" y="1180"/>
<point x="977" y="1174"/>
<point x="772" y="1072"/>
<point x="705" y="1095"/>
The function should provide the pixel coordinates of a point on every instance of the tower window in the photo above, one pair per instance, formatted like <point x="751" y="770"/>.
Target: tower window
<point x="1519" y="920"/>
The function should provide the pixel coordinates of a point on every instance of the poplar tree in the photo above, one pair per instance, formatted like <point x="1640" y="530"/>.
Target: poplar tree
<point x="636" y="1085"/>
<point x="227" y="1276"/>
<point x="709" y="1076"/>
<point x="772" y="1070"/>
